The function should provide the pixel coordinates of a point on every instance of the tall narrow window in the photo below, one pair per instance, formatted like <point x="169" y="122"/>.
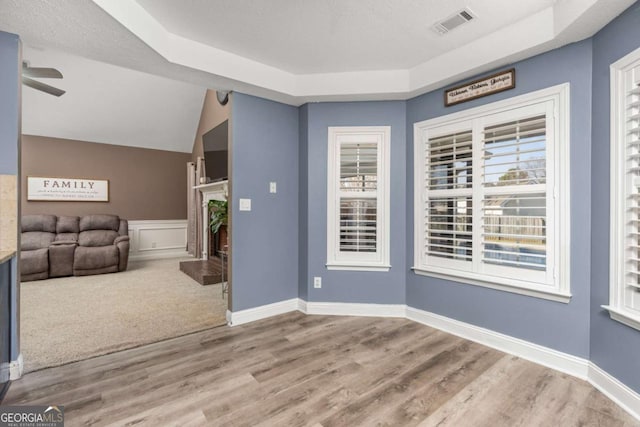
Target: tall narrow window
<point x="491" y="204"/>
<point x="624" y="301"/>
<point x="357" y="208"/>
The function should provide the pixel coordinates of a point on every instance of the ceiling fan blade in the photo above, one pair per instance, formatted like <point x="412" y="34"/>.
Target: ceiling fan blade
<point x="42" y="87"/>
<point x="43" y="73"/>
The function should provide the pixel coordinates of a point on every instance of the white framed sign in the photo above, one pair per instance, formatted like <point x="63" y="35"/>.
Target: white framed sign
<point x="504" y="80"/>
<point x="67" y="189"/>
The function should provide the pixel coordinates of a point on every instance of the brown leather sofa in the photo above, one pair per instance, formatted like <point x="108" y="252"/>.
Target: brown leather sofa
<point x="56" y="246"/>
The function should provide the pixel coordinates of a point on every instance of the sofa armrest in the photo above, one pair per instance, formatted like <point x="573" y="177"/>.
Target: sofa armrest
<point x="122" y="243"/>
<point x="121" y="239"/>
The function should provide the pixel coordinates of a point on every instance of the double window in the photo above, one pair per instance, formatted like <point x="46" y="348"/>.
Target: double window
<point x="624" y="300"/>
<point x="491" y="205"/>
<point x="358" y="198"/>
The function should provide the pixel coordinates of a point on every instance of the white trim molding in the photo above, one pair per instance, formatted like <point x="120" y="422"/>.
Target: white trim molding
<point x="354" y="309"/>
<point x="236" y="318"/>
<point x="578" y="367"/>
<point x="563" y="362"/>
<point x="623" y="396"/>
<point x="156" y="239"/>
<point x="16" y="368"/>
<point x="611" y="387"/>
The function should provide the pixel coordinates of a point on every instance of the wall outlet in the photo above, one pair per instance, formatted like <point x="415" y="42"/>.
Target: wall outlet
<point x="272" y="187"/>
<point x="317" y="282"/>
<point x="245" y="204"/>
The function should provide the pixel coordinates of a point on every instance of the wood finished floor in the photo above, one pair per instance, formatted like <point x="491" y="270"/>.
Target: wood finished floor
<point x="295" y="370"/>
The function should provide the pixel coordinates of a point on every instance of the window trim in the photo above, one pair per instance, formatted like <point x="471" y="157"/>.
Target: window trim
<point x="341" y="261"/>
<point x="617" y="173"/>
<point x="561" y="292"/>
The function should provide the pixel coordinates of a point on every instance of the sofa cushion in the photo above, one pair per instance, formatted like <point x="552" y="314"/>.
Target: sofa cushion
<point x="61" y="259"/>
<point x="94" y="238"/>
<point x="87" y="258"/>
<point x="66" y="237"/>
<point x="32" y="262"/>
<point x="39" y="223"/>
<point x="99" y="222"/>
<point x="32" y="240"/>
<point x="68" y="224"/>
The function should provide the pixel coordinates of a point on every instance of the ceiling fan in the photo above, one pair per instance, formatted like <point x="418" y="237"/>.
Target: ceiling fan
<point x="42" y="73"/>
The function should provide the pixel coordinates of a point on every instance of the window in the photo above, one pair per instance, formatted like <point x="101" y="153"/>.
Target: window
<point x="624" y="300"/>
<point x="358" y="198"/>
<point x="491" y="195"/>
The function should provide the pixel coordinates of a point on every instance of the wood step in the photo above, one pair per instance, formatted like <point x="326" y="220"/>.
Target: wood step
<point x="205" y="272"/>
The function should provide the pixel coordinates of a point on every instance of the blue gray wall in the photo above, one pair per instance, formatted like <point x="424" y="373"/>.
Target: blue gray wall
<point x="614" y="346"/>
<point x="564" y="327"/>
<point x="352" y="286"/>
<point x="10" y="90"/>
<point x="9" y="103"/>
<point x="264" y="138"/>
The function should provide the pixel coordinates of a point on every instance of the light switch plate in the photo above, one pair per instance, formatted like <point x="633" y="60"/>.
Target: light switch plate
<point x="245" y="204"/>
<point x="272" y="187"/>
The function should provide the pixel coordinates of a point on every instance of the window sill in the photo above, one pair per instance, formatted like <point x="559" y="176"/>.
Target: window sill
<point x="358" y="267"/>
<point x="507" y="286"/>
<point x="623" y="317"/>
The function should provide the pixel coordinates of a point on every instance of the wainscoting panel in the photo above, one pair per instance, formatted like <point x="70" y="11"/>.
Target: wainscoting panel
<point x="154" y="239"/>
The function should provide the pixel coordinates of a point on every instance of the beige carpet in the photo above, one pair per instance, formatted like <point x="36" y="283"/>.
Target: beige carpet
<point x="74" y="318"/>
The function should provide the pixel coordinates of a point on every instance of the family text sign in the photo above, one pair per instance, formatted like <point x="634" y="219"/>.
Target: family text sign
<point x="67" y="189"/>
<point x="495" y="83"/>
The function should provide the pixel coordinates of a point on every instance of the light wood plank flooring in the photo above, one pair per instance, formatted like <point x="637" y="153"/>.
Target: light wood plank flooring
<point x="295" y="370"/>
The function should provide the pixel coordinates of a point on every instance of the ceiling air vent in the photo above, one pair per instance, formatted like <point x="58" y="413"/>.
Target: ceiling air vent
<point x="452" y="22"/>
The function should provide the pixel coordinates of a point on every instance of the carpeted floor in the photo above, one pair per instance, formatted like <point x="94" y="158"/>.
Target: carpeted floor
<point x="74" y="318"/>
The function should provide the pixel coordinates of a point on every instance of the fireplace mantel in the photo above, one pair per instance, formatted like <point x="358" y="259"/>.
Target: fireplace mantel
<point x="212" y="191"/>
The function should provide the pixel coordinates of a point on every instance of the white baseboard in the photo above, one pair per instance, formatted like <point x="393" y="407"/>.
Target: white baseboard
<point x="611" y="387"/>
<point x="578" y="367"/>
<point x="563" y="362"/>
<point x="16" y="368"/>
<point x="353" y="309"/>
<point x="160" y="255"/>
<point x="235" y="318"/>
<point x="157" y="239"/>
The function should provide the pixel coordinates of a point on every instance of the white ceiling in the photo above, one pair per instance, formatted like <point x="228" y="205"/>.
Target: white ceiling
<point x="328" y="36"/>
<point x="109" y="104"/>
<point x="297" y="51"/>
<point x="314" y="48"/>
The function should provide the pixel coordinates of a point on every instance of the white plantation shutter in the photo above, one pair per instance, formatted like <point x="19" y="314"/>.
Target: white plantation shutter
<point x="448" y="211"/>
<point x="514" y="153"/>
<point x="489" y="184"/>
<point x="357" y="209"/>
<point x="631" y="295"/>
<point x="358" y="196"/>
<point x="624" y="299"/>
<point x="514" y="194"/>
